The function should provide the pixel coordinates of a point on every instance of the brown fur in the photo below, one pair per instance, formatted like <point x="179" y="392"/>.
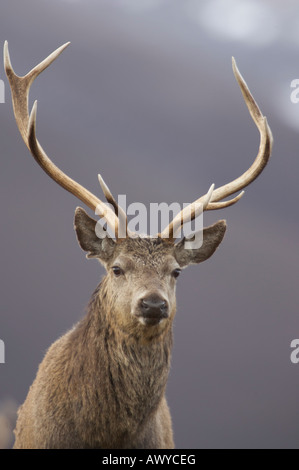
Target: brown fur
<point x="102" y="384"/>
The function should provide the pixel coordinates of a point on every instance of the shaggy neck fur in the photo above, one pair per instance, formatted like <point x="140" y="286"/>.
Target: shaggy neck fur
<point x="117" y="380"/>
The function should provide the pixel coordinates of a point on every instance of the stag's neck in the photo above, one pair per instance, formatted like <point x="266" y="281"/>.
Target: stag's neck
<point x="126" y="376"/>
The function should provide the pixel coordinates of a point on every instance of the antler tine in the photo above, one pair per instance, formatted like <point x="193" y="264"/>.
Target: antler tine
<point x="120" y="213"/>
<point x="264" y="152"/>
<point x="187" y="214"/>
<point x="246" y="178"/>
<point x="110" y="198"/>
<point x="20" y="87"/>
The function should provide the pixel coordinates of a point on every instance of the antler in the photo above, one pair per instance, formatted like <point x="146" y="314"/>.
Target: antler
<point x="20" y="87"/>
<point x="238" y="184"/>
<point x="117" y="220"/>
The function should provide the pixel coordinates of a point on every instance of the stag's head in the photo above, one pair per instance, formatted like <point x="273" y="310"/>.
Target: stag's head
<point x="141" y="271"/>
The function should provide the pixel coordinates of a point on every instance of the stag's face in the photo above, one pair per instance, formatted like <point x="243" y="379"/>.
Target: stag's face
<point x="142" y="272"/>
<point x="142" y="277"/>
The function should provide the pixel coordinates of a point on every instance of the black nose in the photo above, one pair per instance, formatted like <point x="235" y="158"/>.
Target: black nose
<point x="153" y="309"/>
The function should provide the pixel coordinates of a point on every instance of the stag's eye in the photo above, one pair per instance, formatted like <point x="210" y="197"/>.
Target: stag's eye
<point x="117" y="271"/>
<point x="176" y="272"/>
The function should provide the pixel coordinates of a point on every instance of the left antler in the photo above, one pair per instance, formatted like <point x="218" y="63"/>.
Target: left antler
<point x="20" y="87"/>
<point x="238" y="184"/>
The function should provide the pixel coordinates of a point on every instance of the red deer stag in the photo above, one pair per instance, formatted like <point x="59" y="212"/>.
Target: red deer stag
<point x="102" y="384"/>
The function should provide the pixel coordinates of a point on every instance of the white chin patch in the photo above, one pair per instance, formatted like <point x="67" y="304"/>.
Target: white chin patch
<point x="150" y="321"/>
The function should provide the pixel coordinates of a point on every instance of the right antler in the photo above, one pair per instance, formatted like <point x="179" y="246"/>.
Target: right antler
<point x="20" y="87"/>
<point x="215" y="201"/>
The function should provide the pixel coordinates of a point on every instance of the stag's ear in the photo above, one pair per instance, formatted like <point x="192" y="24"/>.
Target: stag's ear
<point x="85" y="226"/>
<point x="212" y="237"/>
